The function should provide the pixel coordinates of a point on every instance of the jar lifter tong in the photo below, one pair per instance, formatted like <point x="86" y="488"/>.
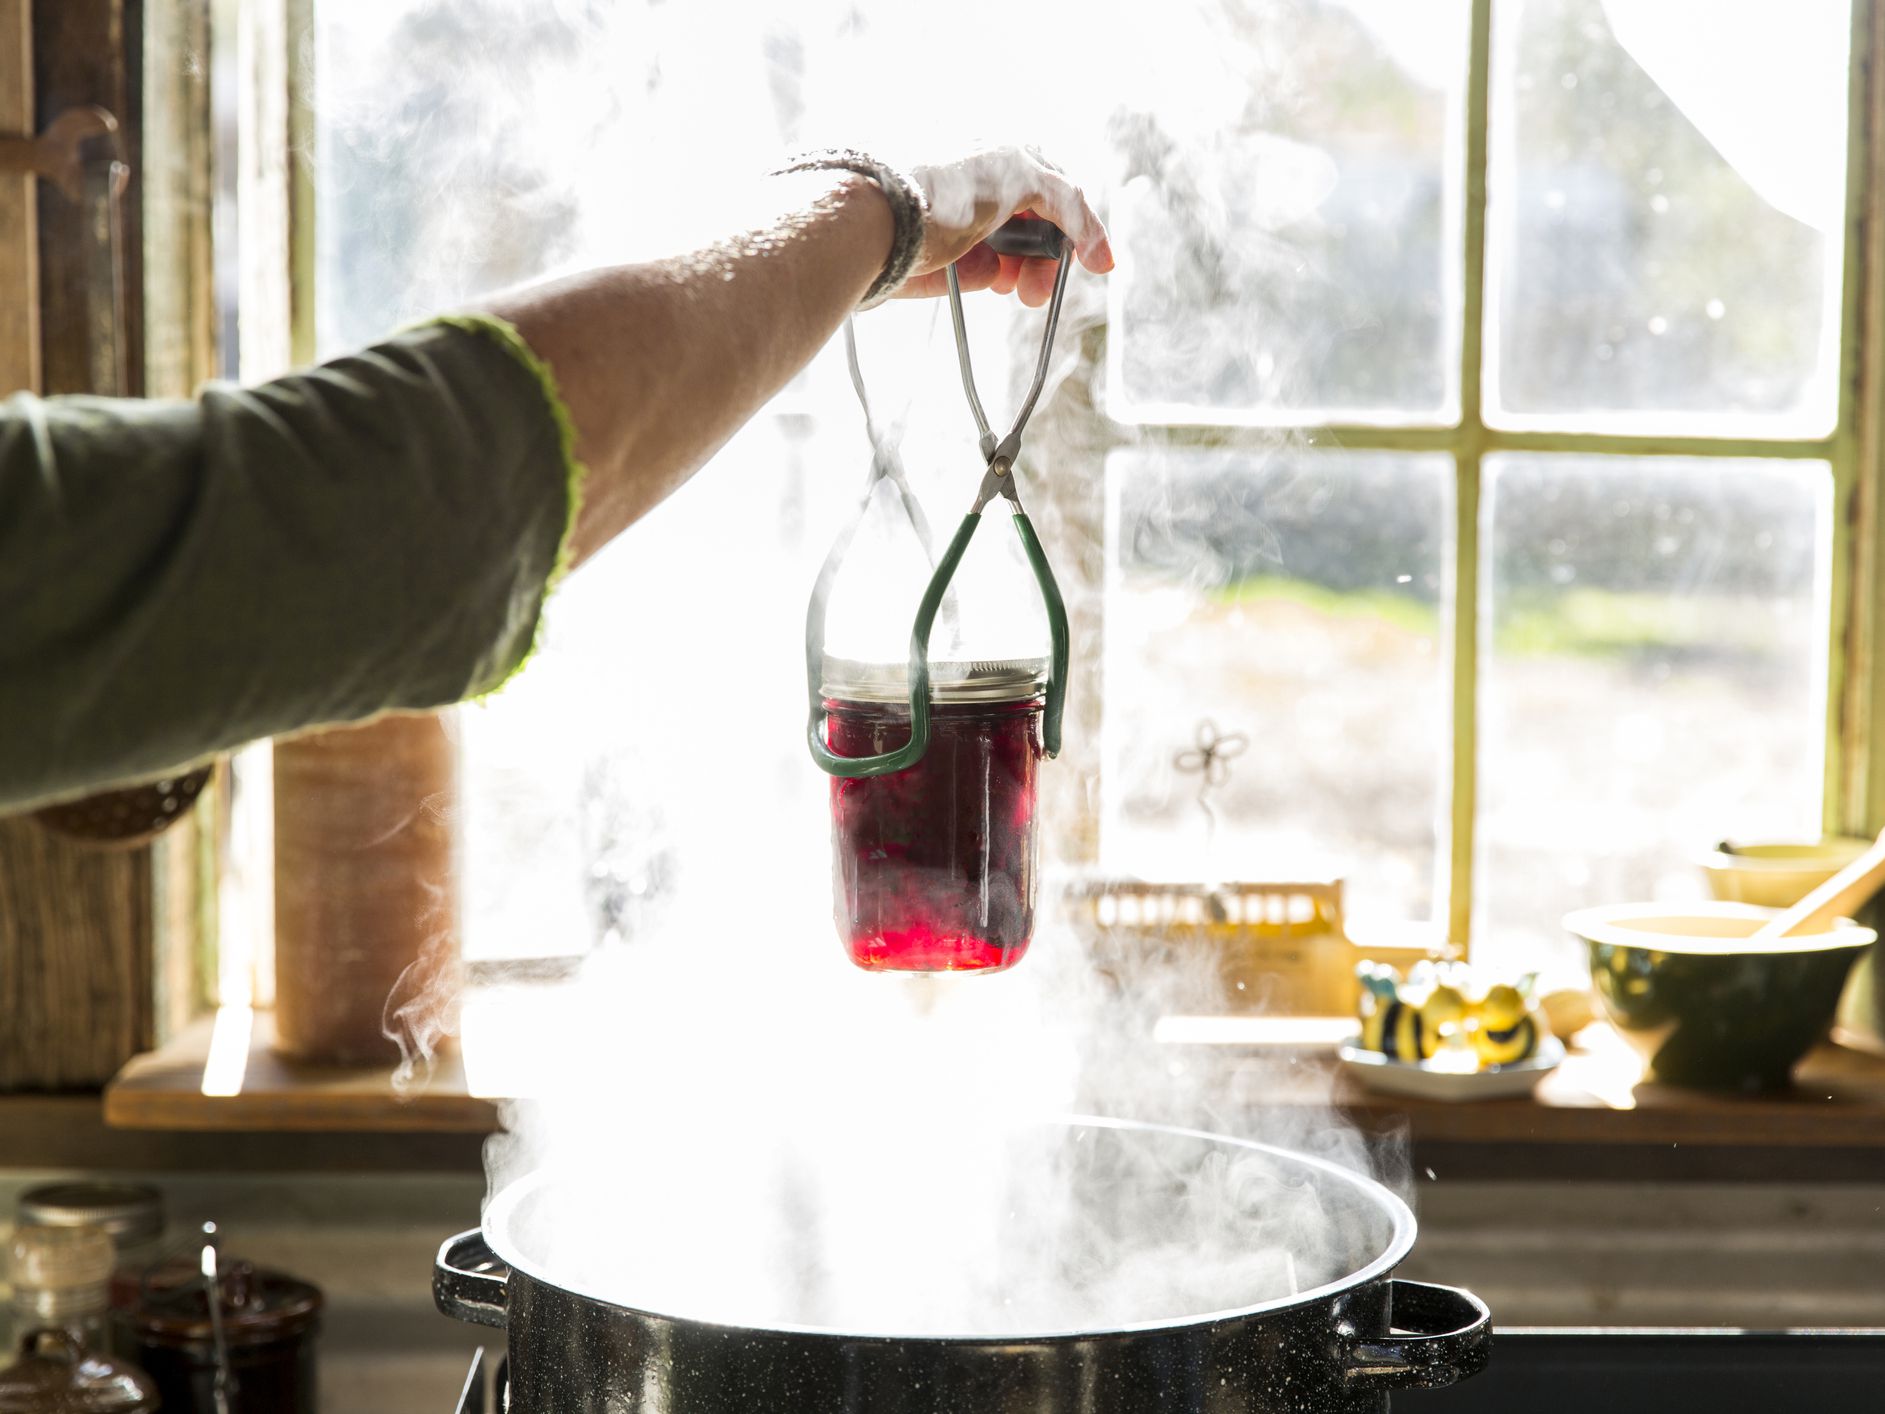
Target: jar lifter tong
<point x="1023" y="237"/>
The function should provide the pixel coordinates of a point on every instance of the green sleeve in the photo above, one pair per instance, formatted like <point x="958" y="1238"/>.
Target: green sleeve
<point x="177" y="578"/>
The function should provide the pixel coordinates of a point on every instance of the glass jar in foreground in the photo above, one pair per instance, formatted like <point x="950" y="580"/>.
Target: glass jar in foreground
<point x="61" y="1279"/>
<point x="933" y="867"/>
<point x="130" y="1214"/>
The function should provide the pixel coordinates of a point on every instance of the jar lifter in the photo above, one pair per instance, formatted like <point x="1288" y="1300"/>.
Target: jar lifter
<point x="1023" y="237"/>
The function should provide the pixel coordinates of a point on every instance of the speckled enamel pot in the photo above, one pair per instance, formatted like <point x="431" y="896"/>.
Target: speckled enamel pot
<point x="1340" y="1347"/>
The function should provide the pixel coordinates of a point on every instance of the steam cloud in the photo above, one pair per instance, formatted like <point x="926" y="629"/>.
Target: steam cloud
<point x="748" y="1128"/>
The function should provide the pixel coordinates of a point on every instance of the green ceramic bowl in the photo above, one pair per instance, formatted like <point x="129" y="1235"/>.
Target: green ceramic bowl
<point x="1781" y="872"/>
<point x="1685" y="988"/>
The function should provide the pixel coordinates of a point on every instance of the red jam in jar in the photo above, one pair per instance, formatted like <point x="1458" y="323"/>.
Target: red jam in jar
<point x="933" y="866"/>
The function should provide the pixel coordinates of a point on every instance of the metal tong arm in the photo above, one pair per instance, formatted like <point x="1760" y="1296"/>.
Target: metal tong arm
<point x="888" y="762"/>
<point x="886" y="465"/>
<point x="1016" y="237"/>
<point x="1044" y="239"/>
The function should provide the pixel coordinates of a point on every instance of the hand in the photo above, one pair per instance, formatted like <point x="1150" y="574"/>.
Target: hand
<point x="973" y="195"/>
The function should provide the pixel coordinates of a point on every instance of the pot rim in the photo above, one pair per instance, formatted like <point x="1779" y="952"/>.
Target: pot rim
<point x="1400" y="1242"/>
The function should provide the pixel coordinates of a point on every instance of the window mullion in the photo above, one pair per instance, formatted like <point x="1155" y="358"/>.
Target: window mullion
<point x="1853" y="789"/>
<point x="1373" y="437"/>
<point x="1466" y="580"/>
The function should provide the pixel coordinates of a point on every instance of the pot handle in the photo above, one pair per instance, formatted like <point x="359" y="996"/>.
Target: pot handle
<point x="1442" y="1335"/>
<point x="470" y="1281"/>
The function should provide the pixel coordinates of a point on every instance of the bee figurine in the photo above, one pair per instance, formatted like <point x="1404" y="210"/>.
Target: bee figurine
<point x="1440" y="1006"/>
<point x="1503" y="1029"/>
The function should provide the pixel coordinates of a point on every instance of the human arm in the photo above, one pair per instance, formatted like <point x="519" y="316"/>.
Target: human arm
<point x="659" y="363"/>
<point x="379" y="533"/>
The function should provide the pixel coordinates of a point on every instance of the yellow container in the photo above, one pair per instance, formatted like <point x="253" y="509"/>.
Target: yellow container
<point x="1275" y="947"/>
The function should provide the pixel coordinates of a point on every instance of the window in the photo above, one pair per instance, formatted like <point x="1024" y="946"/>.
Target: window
<point x="1496" y="415"/>
<point x="1471" y="427"/>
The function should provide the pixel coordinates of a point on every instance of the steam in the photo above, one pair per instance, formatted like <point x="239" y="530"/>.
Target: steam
<point x="422" y="1009"/>
<point x="742" y="1126"/>
<point x="740" y="1132"/>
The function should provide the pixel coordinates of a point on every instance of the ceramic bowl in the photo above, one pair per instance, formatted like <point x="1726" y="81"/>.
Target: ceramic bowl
<point x="1776" y="874"/>
<point x="1702" y="1005"/>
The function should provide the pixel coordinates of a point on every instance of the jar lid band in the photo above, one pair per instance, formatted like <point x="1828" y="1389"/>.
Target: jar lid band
<point x="966" y="680"/>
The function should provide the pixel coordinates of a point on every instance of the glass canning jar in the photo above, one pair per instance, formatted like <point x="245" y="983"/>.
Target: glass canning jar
<point x="934" y="866"/>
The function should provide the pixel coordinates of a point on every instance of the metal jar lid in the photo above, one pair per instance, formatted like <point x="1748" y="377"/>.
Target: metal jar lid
<point x="964" y="680"/>
<point x="257" y="1307"/>
<point x="131" y="1214"/>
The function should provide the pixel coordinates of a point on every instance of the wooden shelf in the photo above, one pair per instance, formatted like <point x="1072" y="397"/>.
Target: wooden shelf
<point x="223" y="1075"/>
<point x="68" y="1132"/>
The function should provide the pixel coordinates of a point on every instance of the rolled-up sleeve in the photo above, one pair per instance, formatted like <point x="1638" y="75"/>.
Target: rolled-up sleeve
<point x="176" y="578"/>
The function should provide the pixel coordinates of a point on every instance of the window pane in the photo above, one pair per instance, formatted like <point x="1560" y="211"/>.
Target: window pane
<point x="1294" y="255"/>
<point x="1297" y="599"/>
<point x="1653" y="680"/>
<point x="1666" y="207"/>
<point x="618" y="782"/>
<point x="460" y="148"/>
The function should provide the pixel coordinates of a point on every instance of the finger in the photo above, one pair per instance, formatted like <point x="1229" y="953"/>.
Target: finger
<point x="1036" y="286"/>
<point x="977" y="269"/>
<point x="1066" y="205"/>
<point x="1007" y="276"/>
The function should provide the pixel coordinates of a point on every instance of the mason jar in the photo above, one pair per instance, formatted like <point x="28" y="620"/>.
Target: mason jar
<point x="130" y="1214"/>
<point x="933" y="867"/>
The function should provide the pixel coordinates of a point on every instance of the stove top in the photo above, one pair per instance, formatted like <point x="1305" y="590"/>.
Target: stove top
<point x="1575" y="1371"/>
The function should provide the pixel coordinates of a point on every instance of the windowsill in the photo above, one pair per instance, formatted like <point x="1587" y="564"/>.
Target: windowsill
<point x="223" y="1074"/>
<point x="205" y="1081"/>
<point x="1596" y="1097"/>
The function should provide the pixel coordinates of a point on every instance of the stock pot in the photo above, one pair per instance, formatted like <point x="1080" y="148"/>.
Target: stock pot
<point x="1353" y="1334"/>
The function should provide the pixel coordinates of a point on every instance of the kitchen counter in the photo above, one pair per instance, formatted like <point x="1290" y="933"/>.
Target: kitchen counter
<point x="221" y="1075"/>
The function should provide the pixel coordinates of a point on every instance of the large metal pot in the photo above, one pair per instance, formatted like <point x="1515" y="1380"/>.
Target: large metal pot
<point x="1340" y="1345"/>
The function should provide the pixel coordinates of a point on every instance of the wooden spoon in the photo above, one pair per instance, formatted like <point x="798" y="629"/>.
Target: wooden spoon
<point x="1839" y="897"/>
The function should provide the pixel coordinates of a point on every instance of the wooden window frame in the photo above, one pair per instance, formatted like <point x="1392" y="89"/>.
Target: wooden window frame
<point x="280" y="61"/>
<point x="1854" y="767"/>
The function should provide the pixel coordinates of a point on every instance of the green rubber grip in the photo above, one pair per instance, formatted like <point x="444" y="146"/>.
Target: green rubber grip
<point x="907" y="755"/>
<point x="1057" y="631"/>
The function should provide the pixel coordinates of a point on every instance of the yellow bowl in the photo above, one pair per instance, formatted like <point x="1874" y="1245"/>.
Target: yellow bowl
<point x="1773" y="873"/>
<point x="1702" y="1003"/>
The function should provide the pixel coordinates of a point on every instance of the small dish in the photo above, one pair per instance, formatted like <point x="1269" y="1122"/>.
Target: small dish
<point x="1425" y="1081"/>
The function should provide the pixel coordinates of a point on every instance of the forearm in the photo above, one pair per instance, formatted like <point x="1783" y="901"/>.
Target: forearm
<point x="659" y="364"/>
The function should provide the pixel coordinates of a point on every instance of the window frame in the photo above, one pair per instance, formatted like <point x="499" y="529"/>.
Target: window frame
<point x="278" y="190"/>
<point x="1854" y="766"/>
